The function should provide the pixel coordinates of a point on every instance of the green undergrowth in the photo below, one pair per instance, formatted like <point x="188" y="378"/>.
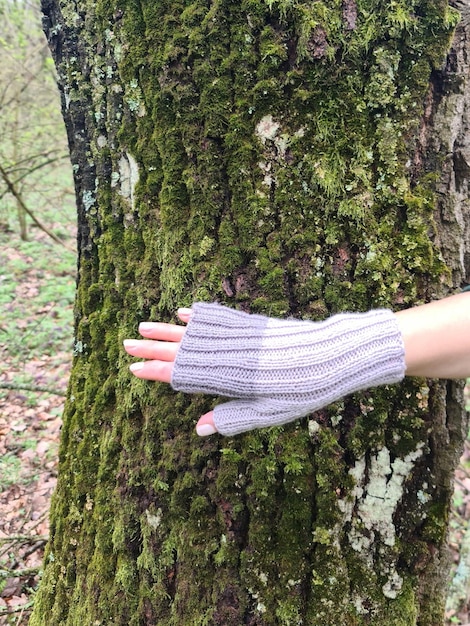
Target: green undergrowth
<point x="37" y="286"/>
<point x="37" y="205"/>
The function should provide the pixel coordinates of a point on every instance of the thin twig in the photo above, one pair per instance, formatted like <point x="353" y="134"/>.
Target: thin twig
<point x="20" y="616"/>
<point x="32" y="157"/>
<point x="37" y="546"/>
<point x="461" y="484"/>
<point x="12" y="569"/>
<point x="23" y="538"/>
<point x="31" y="527"/>
<point x="20" y="201"/>
<point x="31" y="168"/>
<point x="19" y="573"/>
<point x="37" y="388"/>
<point x="18" y="609"/>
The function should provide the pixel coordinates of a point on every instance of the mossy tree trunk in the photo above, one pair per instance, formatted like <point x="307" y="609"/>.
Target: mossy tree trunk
<point x="285" y="157"/>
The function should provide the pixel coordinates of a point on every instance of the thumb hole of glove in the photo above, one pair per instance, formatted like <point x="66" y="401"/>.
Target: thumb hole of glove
<point x="238" y="416"/>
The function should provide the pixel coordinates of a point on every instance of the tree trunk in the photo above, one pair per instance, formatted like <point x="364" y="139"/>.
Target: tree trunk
<point x="284" y="157"/>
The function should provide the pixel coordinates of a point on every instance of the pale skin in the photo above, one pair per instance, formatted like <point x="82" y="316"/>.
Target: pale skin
<point x="436" y="338"/>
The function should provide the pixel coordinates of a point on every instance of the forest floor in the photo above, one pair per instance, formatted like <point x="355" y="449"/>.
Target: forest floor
<point x="37" y="283"/>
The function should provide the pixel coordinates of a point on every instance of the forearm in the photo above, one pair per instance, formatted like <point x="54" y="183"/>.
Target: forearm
<point x="279" y="370"/>
<point x="436" y="337"/>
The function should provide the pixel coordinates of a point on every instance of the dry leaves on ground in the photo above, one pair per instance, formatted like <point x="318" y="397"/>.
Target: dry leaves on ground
<point x="29" y="438"/>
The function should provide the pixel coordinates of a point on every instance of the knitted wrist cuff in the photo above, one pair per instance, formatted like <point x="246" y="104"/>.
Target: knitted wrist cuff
<point x="283" y="369"/>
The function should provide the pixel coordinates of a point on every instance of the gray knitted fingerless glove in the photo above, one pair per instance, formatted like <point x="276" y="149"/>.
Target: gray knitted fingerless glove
<point x="280" y="370"/>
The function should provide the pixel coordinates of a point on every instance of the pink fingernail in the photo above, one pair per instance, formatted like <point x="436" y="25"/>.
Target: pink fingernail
<point x="136" y="367"/>
<point x="130" y="343"/>
<point x="146" y="326"/>
<point x="204" y="430"/>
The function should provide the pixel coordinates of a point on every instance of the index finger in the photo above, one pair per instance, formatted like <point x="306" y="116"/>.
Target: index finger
<point x="161" y="331"/>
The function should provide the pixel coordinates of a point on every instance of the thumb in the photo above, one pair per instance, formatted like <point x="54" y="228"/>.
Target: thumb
<point x="205" y="425"/>
<point x="238" y="416"/>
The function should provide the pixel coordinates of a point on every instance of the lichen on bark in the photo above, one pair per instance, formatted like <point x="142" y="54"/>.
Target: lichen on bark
<point x="262" y="154"/>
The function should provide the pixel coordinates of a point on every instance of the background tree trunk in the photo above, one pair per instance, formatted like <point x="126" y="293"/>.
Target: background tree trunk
<point x="291" y="158"/>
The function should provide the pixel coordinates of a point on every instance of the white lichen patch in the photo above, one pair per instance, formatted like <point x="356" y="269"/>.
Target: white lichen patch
<point x="335" y="420"/>
<point x="128" y="177"/>
<point x="423" y="496"/>
<point x="88" y="199"/>
<point x="370" y="508"/>
<point x="154" y="520"/>
<point x="393" y="586"/>
<point x="266" y="169"/>
<point x="261" y="608"/>
<point x="358" y="604"/>
<point x="79" y="347"/>
<point x="376" y="496"/>
<point x="313" y="428"/>
<point x="66" y="98"/>
<point x="267" y="128"/>
<point x="135" y="98"/>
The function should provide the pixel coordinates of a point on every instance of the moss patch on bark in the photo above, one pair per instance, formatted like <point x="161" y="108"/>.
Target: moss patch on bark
<point x="258" y="153"/>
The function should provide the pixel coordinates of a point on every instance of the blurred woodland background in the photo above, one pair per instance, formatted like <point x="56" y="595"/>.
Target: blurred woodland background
<point x="37" y="283"/>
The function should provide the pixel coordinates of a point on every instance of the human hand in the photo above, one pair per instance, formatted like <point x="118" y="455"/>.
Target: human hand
<point x="275" y="370"/>
<point x="160" y="347"/>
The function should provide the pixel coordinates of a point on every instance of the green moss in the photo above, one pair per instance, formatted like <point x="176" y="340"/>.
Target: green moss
<point x="271" y="141"/>
<point x="435" y="525"/>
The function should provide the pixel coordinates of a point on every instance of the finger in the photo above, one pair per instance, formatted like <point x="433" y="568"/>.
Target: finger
<point x="147" y="349"/>
<point x="205" y="425"/>
<point x="161" y="331"/>
<point x="153" y="370"/>
<point x="185" y="315"/>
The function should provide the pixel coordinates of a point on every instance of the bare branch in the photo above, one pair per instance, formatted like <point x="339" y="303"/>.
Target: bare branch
<point x="30" y="170"/>
<point x="17" y="195"/>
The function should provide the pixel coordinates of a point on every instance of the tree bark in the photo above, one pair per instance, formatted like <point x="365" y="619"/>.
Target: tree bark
<point x="281" y="157"/>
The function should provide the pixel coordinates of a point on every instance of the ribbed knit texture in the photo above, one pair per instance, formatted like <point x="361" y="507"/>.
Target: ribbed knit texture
<point x="280" y="370"/>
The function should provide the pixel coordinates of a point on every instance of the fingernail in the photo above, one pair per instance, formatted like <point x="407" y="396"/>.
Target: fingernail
<point x="130" y="343"/>
<point x="146" y="326"/>
<point x="136" y="367"/>
<point x="204" y="430"/>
